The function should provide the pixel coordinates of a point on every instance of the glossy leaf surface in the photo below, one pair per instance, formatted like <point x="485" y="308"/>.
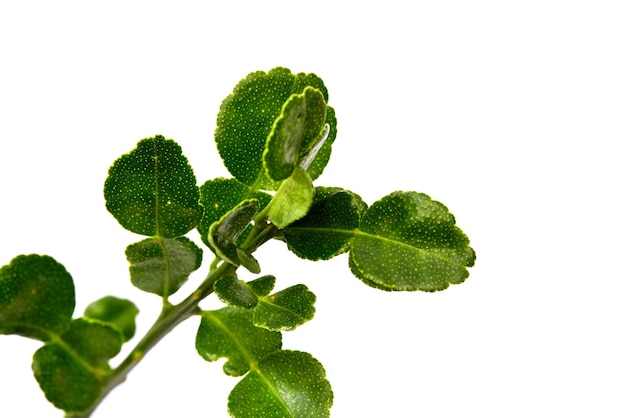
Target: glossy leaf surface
<point x="407" y="241"/>
<point x="285" y="310"/>
<point x="247" y="116"/>
<point x="296" y="130"/>
<point x="239" y="294"/>
<point x="119" y="313"/>
<point x="328" y="227"/>
<point x="292" y="200"/>
<point x="162" y="265"/>
<point x="224" y="235"/>
<point x="152" y="190"/>
<point x="285" y="384"/>
<point x="219" y="196"/>
<point x="36" y="297"/>
<point x="69" y="371"/>
<point x="230" y="333"/>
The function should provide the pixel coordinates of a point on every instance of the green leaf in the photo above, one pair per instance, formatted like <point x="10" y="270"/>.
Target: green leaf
<point x="328" y="227"/>
<point x="296" y="130"/>
<point x="162" y="265"/>
<point x="239" y="294"/>
<point x="229" y="333"/>
<point x="70" y="370"/>
<point x="223" y="235"/>
<point x="285" y="310"/>
<point x="247" y="116"/>
<point x="292" y="200"/>
<point x="152" y="190"/>
<point x="36" y="297"/>
<point x="406" y="241"/>
<point x="220" y="196"/>
<point x="285" y="384"/>
<point x="119" y="313"/>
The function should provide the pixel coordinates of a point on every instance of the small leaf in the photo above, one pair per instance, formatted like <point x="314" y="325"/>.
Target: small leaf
<point x="162" y="265"/>
<point x="229" y="333"/>
<point x="235" y="293"/>
<point x="224" y="233"/>
<point x="220" y="196"/>
<point x="285" y="384"/>
<point x="239" y="294"/>
<point x="152" y="190"/>
<point x="70" y="371"/>
<point x="36" y="297"/>
<point x="296" y="130"/>
<point x="285" y="310"/>
<point x="406" y="241"/>
<point x="119" y="313"/>
<point x="328" y="227"/>
<point x="292" y="200"/>
<point x="247" y="116"/>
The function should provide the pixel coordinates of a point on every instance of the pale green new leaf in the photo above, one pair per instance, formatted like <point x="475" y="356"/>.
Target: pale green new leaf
<point x="407" y="241"/>
<point x="162" y="265"/>
<point x="230" y="333"/>
<point x="292" y="200"/>
<point x="285" y="384"/>
<point x="152" y="190"/>
<point x="36" y="297"/>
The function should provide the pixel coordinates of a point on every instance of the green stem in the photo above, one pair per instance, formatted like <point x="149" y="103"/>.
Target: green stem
<point x="168" y="319"/>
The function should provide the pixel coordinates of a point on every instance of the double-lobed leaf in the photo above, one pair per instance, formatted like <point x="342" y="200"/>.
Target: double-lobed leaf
<point x="162" y="265"/>
<point x="152" y="190"/>
<point x="36" y="297"/>
<point x="277" y="383"/>
<point x="251" y="113"/>
<point x="407" y="241"/>
<point x="70" y="369"/>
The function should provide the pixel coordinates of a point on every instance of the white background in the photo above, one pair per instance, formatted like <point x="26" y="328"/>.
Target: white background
<point x="511" y="113"/>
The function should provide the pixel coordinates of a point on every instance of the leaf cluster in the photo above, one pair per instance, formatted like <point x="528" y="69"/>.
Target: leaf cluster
<point x="275" y="134"/>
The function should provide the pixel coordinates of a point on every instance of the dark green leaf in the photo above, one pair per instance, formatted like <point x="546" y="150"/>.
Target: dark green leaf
<point x="239" y="294"/>
<point x="285" y="384"/>
<point x="406" y="241"/>
<point x="292" y="200"/>
<point x="70" y="371"/>
<point x="285" y="310"/>
<point x="296" y="130"/>
<point x="36" y="297"/>
<point x="223" y="235"/>
<point x="328" y="227"/>
<point x="162" y="265"/>
<point x="247" y="116"/>
<point x="220" y="196"/>
<point x="152" y="190"/>
<point x="229" y="333"/>
<point x="119" y="313"/>
<point x="235" y="293"/>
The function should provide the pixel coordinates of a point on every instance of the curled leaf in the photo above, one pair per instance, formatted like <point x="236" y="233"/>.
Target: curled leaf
<point x="285" y="310"/>
<point x="292" y="200"/>
<point x="119" y="313"/>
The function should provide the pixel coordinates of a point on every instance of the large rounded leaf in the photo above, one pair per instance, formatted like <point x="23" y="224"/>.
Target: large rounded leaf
<point x="407" y="241"/>
<point x="152" y="190"/>
<point x="36" y="297"/>
<point x="285" y="384"/>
